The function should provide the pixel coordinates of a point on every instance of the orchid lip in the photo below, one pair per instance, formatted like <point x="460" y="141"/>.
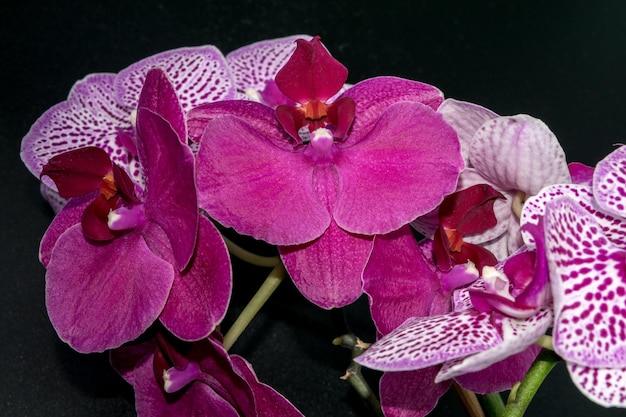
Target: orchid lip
<point x="124" y="218"/>
<point x="176" y="379"/>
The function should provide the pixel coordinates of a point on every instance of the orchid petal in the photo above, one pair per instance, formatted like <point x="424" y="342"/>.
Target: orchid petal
<point x="391" y="285"/>
<point x="198" y="74"/>
<point x="588" y="285"/>
<point x="410" y="147"/>
<point x="517" y="336"/>
<point x="424" y="341"/>
<point x="200" y="294"/>
<point x="604" y="386"/>
<point x="519" y="152"/>
<point x="170" y="199"/>
<point x="374" y="95"/>
<point x="248" y="183"/>
<point x="581" y="173"/>
<point x="465" y="118"/>
<point x="159" y="96"/>
<point x="52" y="197"/>
<point x="608" y="182"/>
<point x="254" y="66"/>
<point x="411" y="393"/>
<point x="89" y="117"/>
<point x="108" y="295"/>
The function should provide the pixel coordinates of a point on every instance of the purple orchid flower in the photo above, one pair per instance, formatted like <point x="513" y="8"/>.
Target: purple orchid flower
<point x="121" y="256"/>
<point x="321" y="177"/>
<point x="101" y="108"/>
<point x="517" y="155"/>
<point x="483" y="339"/>
<point x="171" y="378"/>
<point x="585" y="228"/>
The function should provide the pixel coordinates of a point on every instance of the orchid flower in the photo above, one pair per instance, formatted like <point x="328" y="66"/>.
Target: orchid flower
<point x="120" y="257"/>
<point x="321" y="177"/>
<point x="101" y="110"/>
<point x="585" y="227"/>
<point x="517" y="155"/>
<point x="171" y="378"/>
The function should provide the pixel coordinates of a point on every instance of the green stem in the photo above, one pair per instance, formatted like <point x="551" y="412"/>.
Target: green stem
<point x="492" y="404"/>
<point x="268" y="287"/>
<point x="249" y="257"/>
<point x="518" y="403"/>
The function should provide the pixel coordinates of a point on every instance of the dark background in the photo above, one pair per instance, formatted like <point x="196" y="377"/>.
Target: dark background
<point x="564" y="63"/>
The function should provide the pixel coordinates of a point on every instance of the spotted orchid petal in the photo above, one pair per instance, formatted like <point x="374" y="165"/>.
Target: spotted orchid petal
<point x="604" y="386"/>
<point x="89" y="117"/>
<point x="425" y="341"/>
<point x="255" y="66"/>
<point x="198" y="74"/>
<point x="588" y="286"/>
<point x="409" y="134"/>
<point x="267" y="196"/>
<point x="121" y="290"/>
<point x="465" y="118"/>
<point x="519" y="152"/>
<point x="517" y="336"/>
<point x="609" y="181"/>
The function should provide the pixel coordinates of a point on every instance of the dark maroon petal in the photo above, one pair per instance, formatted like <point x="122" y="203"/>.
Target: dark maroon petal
<point x="470" y="210"/>
<point x="441" y="250"/>
<point x="79" y="171"/>
<point x="95" y="218"/>
<point x="475" y="253"/>
<point x="159" y="96"/>
<point x="311" y="73"/>
<point x="291" y="119"/>
<point x="170" y="200"/>
<point x="341" y="113"/>
<point x="124" y="184"/>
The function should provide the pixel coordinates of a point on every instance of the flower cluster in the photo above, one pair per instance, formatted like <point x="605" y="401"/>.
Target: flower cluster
<point x="270" y="141"/>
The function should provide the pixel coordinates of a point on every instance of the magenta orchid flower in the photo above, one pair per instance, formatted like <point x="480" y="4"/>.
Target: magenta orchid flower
<point x="171" y="378"/>
<point x="517" y="155"/>
<point x="321" y="177"/>
<point x="101" y="108"/>
<point x="121" y="256"/>
<point x="585" y="228"/>
<point x="476" y="335"/>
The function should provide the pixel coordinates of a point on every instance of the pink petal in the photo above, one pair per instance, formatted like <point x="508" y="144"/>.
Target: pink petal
<point x="608" y="182"/>
<point x="200" y="294"/>
<point x="170" y="199"/>
<point x="402" y="169"/>
<point x="411" y="393"/>
<point x="374" y="95"/>
<point x="588" y="285"/>
<point x="248" y="183"/>
<point x="604" y="386"/>
<point x="254" y="65"/>
<point x="519" y="152"/>
<point x="517" y="336"/>
<point x="89" y="117"/>
<point x="581" y="173"/>
<point x="107" y="295"/>
<point x="465" y="118"/>
<point x="390" y="281"/>
<point x="199" y="75"/>
<point x="424" y="341"/>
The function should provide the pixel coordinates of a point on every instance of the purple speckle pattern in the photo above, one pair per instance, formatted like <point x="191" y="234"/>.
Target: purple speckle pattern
<point x="89" y="117"/>
<point x="588" y="277"/>
<point x="425" y="341"/>
<point x="605" y="386"/>
<point x="199" y="75"/>
<point x="517" y="336"/>
<point x="609" y="182"/>
<point x="614" y="228"/>
<point x="255" y="64"/>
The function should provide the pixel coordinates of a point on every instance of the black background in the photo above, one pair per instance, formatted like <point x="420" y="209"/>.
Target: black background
<point x="564" y="63"/>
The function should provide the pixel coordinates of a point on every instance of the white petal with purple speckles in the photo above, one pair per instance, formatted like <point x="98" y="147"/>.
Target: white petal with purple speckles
<point x="425" y="341"/>
<point x="199" y="75"/>
<point x="255" y="64"/>
<point x="519" y="152"/>
<point x="89" y="117"/>
<point x="588" y="277"/>
<point x="609" y="182"/>
<point x="603" y="386"/>
<point x="517" y="335"/>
